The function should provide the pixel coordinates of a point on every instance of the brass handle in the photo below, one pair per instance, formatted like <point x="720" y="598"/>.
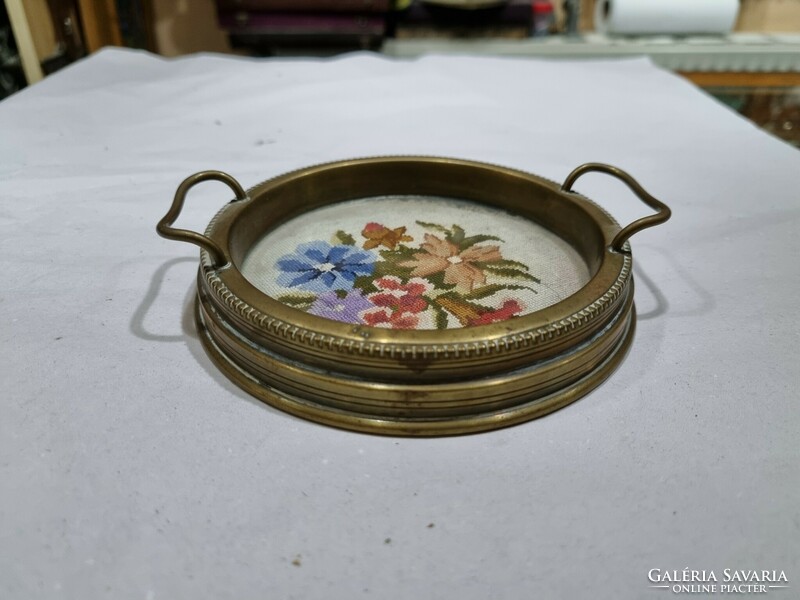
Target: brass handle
<point x="165" y="229"/>
<point x="663" y="214"/>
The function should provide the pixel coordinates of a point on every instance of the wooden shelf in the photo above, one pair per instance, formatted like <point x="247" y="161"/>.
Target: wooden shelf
<point x="735" y="53"/>
<point x="734" y="79"/>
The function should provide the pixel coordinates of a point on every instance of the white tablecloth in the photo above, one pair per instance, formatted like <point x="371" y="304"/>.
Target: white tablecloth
<point x="131" y="468"/>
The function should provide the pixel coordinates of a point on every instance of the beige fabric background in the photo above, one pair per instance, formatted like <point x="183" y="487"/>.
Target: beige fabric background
<point x="555" y="263"/>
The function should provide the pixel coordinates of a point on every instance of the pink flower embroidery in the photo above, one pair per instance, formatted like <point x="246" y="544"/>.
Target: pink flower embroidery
<point x="509" y="309"/>
<point x="397" y="304"/>
<point x="440" y="255"/>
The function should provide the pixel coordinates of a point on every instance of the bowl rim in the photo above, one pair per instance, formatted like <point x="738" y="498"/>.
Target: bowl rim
<point x="550" y="327"/>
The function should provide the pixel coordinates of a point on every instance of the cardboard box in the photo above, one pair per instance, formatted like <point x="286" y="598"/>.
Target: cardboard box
<point x="769" y="16"/>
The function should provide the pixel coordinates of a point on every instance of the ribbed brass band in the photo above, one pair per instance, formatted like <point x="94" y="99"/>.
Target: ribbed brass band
<point x="421" y="410"/>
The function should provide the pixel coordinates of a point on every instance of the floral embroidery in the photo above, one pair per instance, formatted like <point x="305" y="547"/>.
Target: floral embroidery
<point x="345" y="308"/>
<point x="396" y="304"/>
<point x="379" y="235"/>
<point x="318" y="267"/>
<point x="458" y="267"/>
<point x="449" y="279"/>
<point x="505" y="312"/>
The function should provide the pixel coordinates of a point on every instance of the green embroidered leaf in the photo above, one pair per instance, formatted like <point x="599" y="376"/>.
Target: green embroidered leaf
<point x="434" y="227"/>
<point x="493" y="288"/>
<point x="468" y="299"/>
<point x="511" y="286"/>
<point x="479" y="308"/>
<point x="345" y="238"/>
<point x="477" y="239"/>
<point x="365" y="283"/>
<point x="508" y="272"/>
<point x="462" y="309"/>
<point x="441" y="316"/>
<point x="386" y="267"/>
<point x="484" y="292"/>
<point x="297" y="300"/>
<point x="399" y="254"/>
<point x="437" y="279"/>
<point x="511" y="264"/>
<point x="453" y="295"/>
<point x="457" y="236"/>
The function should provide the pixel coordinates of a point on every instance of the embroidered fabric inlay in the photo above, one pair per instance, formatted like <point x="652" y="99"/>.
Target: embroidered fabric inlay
<point x="414" y="263"/>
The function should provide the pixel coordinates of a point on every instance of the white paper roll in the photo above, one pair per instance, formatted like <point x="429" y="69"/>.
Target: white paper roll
<point x="634" y="17"/>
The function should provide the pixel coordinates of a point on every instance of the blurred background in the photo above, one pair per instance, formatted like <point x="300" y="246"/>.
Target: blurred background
<point x="744" y="52"/>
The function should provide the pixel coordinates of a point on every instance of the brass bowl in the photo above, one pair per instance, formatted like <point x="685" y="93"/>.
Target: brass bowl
<point x="416" y="382"/>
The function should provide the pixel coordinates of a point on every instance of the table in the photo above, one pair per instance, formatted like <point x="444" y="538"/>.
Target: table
<point x="131" y="468"/>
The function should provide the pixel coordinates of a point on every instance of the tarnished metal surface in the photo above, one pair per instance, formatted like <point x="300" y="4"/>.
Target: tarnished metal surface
<point x="415" y="382"/>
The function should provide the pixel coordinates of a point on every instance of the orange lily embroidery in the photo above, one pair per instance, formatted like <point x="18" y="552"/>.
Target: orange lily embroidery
<point x="380" y="235"/>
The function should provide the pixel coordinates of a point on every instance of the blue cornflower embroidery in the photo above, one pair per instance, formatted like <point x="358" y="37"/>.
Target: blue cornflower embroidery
<point x="319" y="267"/>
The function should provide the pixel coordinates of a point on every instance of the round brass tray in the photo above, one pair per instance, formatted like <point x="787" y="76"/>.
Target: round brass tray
<point x="416" y="382"/>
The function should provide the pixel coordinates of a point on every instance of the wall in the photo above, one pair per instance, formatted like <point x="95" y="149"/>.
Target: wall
<point x="185" y="26"/>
